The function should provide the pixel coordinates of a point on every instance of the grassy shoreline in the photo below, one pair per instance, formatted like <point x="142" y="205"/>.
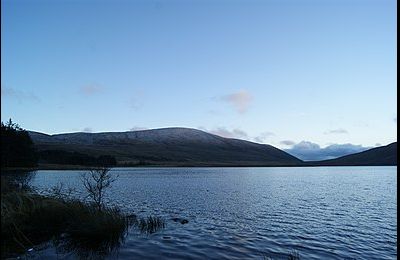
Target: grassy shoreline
<point x="29" y="219"/>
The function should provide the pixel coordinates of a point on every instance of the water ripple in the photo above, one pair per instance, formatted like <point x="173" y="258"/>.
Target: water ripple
<point x="252" y="213"/>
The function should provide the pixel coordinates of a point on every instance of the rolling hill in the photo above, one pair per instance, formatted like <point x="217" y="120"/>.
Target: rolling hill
<point x="383" y="155"/>
<point x="187" y="147"/>
<point x="166" y="146"/>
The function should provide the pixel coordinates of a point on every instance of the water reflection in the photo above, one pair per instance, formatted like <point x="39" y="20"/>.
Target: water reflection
<point x="87" y="249"/>
<point x="106" y="246"/>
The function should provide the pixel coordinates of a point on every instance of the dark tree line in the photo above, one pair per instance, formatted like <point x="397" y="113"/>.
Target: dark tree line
<point x="17" y="149"/>
<point x="75" y="158"/>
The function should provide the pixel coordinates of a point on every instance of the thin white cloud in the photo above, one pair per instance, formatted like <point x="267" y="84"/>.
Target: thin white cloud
<point x="239" y="133"/>
<point x="287" y="142"/>
<point x="336" y="131"/>
<point x="263" y="137"/>
<point x="90" y="90"/>
<point x="310" y="151"/>
<point x="18" y="95"/>
<point x="240" y="100"/>
<point x="222" y="131"/>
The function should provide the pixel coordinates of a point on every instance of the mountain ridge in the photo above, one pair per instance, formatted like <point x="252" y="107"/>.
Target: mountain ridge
<point x="176" y="146"/>
<point x="180" y="146"/>
<point x="378" y="156"/>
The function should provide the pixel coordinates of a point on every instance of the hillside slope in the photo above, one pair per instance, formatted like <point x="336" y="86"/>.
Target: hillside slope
<point x="383" y="155"/>
<point x="167" y="146"/>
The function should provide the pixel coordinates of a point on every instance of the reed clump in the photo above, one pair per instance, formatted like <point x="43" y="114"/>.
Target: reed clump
<point x="150" y="224"/>
<point x="29" y="219"/>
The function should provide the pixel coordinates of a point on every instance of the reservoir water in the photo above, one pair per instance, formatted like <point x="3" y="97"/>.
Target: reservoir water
<point x="252" y="213"/>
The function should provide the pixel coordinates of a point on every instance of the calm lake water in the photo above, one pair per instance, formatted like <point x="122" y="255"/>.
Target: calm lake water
<point x="253" y="213"/>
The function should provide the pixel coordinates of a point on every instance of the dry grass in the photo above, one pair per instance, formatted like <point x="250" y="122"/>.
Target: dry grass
<point x="29" y="219"/>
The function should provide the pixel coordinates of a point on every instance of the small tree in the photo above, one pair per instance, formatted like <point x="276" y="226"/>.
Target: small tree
<point x="17" y="148"/>
<point x="96" y="182"/>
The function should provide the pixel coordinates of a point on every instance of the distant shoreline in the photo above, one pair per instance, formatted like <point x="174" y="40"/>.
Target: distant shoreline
<point x="79" y="167"/>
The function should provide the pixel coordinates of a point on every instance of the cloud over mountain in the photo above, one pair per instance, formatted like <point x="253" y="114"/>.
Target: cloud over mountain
<point x="224" y="132"/>
<point x="87" y="130"/>
<point x="263" y="137"/>
<point x="287" y="142"/>
<point x="309" y="151"/>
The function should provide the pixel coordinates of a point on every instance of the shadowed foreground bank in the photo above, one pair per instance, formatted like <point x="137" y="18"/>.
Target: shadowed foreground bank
<point x="29" y="219"/>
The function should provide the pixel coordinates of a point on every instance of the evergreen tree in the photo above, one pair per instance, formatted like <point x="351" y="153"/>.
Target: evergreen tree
<point x="17" y="149"/>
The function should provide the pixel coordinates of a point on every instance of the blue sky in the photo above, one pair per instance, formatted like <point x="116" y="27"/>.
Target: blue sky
<point x="285" y="73"/>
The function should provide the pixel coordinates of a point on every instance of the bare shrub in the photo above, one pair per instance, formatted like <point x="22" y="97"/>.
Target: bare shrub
<point x="96" y="182"/>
